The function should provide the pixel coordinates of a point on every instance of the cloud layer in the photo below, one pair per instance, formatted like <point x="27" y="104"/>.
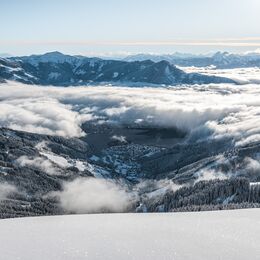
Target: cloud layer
<point x="208" y="111"/>
<point x="39" y="163"/>
<point x="240" y="75"/>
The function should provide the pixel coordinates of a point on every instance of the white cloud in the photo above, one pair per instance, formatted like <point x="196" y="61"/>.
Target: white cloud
<point x="208" y="110"/>
<point x="90" y="195"/>
<point x="240" y="75"/>
<point x="6" y="189"/>
<point x="40" y="163"/>
<point x="119" y="138"/>
<point x="30" y="109"/>
<point x="252" y="164"/>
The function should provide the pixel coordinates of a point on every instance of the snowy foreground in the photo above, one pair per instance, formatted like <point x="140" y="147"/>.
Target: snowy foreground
<point x="200" y="235"/>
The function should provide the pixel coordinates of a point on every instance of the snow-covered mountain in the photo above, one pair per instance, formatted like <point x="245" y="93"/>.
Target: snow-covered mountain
<point x="41" y="174"/>
<point x="160" y="57"/>
<point x="63" y="70"/>
<point x="220" y="60"/>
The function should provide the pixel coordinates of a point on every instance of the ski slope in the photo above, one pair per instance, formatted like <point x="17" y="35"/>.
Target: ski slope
<point x="199" y="235"/>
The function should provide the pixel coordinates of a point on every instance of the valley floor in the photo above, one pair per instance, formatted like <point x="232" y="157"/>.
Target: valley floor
<point x="233" y="234"/>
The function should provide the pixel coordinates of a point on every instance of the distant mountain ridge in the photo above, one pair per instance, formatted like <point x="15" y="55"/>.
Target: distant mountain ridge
<point x="221" y="60"/>
<point x="58" y="69"/>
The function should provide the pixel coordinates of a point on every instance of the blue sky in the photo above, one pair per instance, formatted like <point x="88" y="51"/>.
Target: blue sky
<point x="128" y="26"/>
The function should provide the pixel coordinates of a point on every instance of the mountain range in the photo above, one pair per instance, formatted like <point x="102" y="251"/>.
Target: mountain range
<point x="58" y="69"/>
<point x="221" y="60"/>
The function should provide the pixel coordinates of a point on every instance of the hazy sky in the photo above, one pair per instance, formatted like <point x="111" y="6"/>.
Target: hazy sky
<point x="121" y="26"/>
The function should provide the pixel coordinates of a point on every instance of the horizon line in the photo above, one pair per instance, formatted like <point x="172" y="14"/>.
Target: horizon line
<point x="218" y="42"/>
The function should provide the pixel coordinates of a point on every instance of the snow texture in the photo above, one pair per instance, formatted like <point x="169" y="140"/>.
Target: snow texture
<point x="201" y="235"/>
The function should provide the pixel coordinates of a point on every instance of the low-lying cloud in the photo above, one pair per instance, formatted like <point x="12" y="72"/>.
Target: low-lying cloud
<point x="209" y="111"/>
<point x="5" y="190"/>
<point x="240" y="75"/>
<point x="37" y="112"/>
<point x="209" y="174"/>
<point x="90" y="195"/>
<point x="39" y="163"/>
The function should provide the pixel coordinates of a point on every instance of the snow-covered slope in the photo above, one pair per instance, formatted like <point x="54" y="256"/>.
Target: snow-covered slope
<point x="202" y="235"/>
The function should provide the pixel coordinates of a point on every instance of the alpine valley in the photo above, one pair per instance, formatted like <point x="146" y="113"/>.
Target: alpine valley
<point x="91" y="135"/>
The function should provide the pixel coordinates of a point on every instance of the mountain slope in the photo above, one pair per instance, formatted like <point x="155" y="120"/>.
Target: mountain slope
<point x="33" y="168"/>
<point x="64" y="70"/>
